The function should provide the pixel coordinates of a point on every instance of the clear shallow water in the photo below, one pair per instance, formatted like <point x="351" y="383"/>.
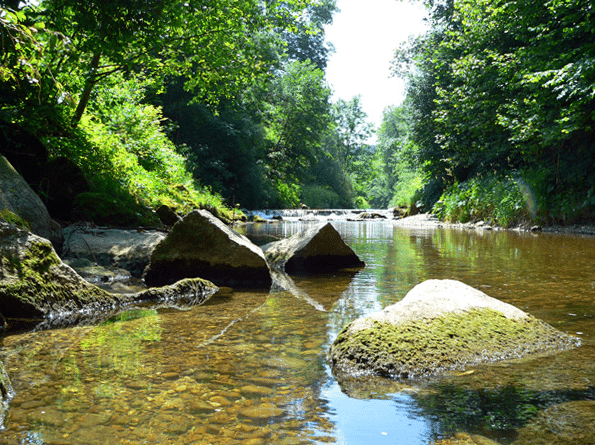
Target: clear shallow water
<point x="250" y="368"/>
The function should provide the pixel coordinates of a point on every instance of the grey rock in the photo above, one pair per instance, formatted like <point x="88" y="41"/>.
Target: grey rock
<point x="202" y="246"/>
<point x="315" y="250"/>
<point x="18" y="197"/>
<point x="125" y="249"/>
<point x="168" y="216"/>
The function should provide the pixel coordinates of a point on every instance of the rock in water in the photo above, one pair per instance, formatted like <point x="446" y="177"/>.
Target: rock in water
<point x="6" y="393"/>
<point x="441" y="325"/>
<point x="202" y="246"/>
<point x="36" y="284"/>
<point x="317" y="249"/>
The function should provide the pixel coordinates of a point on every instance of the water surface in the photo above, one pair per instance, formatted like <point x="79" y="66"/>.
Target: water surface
<point x="251" y="368"/>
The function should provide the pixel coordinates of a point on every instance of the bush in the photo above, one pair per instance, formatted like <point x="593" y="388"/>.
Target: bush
<point x="105" y="210"/>
<point x="361" y="203"/>
<point x="122" y="148"/>
<point x="406" y="189"/>
<point x="288" y="195"/>
<point x="495" y="200"/>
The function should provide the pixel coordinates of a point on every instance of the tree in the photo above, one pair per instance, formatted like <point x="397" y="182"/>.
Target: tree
<point x="216" y="46"/>
<point x="307" y="41"/>
<point x="297" y="115"/>
<point x="352" y="129"/>
<point x="506" y="88"/>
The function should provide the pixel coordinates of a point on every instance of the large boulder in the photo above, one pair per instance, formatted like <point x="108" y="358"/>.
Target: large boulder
<point x="317" y="249"/>
<point x="36" y="284"/>
<point x="202" y="246"/>
<point x="126" y="249"/>
<point x="17" y="197"/>
<point x="441" y="325"/>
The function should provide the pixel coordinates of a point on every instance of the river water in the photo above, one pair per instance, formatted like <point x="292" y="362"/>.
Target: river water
<point x="251" y="368"/>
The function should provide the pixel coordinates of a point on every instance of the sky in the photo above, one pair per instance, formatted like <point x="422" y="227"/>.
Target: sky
<point x="365" y="36"/>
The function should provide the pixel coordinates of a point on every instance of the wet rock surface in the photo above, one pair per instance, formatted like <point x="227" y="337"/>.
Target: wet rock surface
<point x="441" y="325"/>
<point x="6" y="393"/>
<point x="317" y="249"/>
<point x="36" y="285"/>
<point x="34" y="282"/>
<point x="125" y="249"/>
<point x="202" y="246"/>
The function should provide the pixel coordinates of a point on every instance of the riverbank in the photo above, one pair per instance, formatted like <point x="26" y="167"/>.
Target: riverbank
<point x="427" y="220"/>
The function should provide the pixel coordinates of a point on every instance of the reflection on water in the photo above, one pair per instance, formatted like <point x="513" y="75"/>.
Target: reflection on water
<point x="250" y="368"/>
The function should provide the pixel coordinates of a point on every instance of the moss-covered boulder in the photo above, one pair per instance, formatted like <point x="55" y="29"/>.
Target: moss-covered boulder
<point x="36" y="284"/>
<point x="441" y="325"/>
<point x="6" y="393"/>
<point x="315" y="250"/>
<point x="202" y="246"/>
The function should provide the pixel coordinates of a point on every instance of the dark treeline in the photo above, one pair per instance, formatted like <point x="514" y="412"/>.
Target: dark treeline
<point x="218" y="104"/>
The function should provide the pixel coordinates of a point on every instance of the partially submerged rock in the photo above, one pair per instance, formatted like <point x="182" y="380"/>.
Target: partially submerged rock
<point x="6" y="393"/>
<point x="186" y="292"/>
<point x="441" y="325"/>
<point x="36" y="284"/>
<point x="126" y="249"/>
<point x="316" y="249"/>
<point x="202" y="246"/>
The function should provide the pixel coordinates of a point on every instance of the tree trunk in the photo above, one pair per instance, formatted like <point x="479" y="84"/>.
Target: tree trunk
<point x="89" y="84"/>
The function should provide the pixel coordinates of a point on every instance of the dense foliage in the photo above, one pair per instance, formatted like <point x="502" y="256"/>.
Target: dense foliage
<point x="501" y="97"/>
<point x="224" y="104"/>
<point x="196" y="103"/>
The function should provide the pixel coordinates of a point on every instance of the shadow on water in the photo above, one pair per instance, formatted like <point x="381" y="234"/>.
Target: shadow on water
<point x="496" y="413"/>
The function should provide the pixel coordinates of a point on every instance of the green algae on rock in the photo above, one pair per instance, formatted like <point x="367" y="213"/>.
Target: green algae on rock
<point x="6" y="393"/>
<point x="36" y="284"/>
<point x="441" y="325"/>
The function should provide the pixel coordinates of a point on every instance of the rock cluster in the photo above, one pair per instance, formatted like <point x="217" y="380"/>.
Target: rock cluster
<point x="36" y="284"/>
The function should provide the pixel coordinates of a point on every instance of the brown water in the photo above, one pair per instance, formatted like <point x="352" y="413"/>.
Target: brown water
<point x="250" y="368"/>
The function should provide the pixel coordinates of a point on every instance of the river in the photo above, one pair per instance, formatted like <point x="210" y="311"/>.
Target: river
<point x="251" y="368"/>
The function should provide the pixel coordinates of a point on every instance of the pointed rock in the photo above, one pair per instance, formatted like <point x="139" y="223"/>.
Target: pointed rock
<point x="315" y="250"/>
<point x="202" y="246"/>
